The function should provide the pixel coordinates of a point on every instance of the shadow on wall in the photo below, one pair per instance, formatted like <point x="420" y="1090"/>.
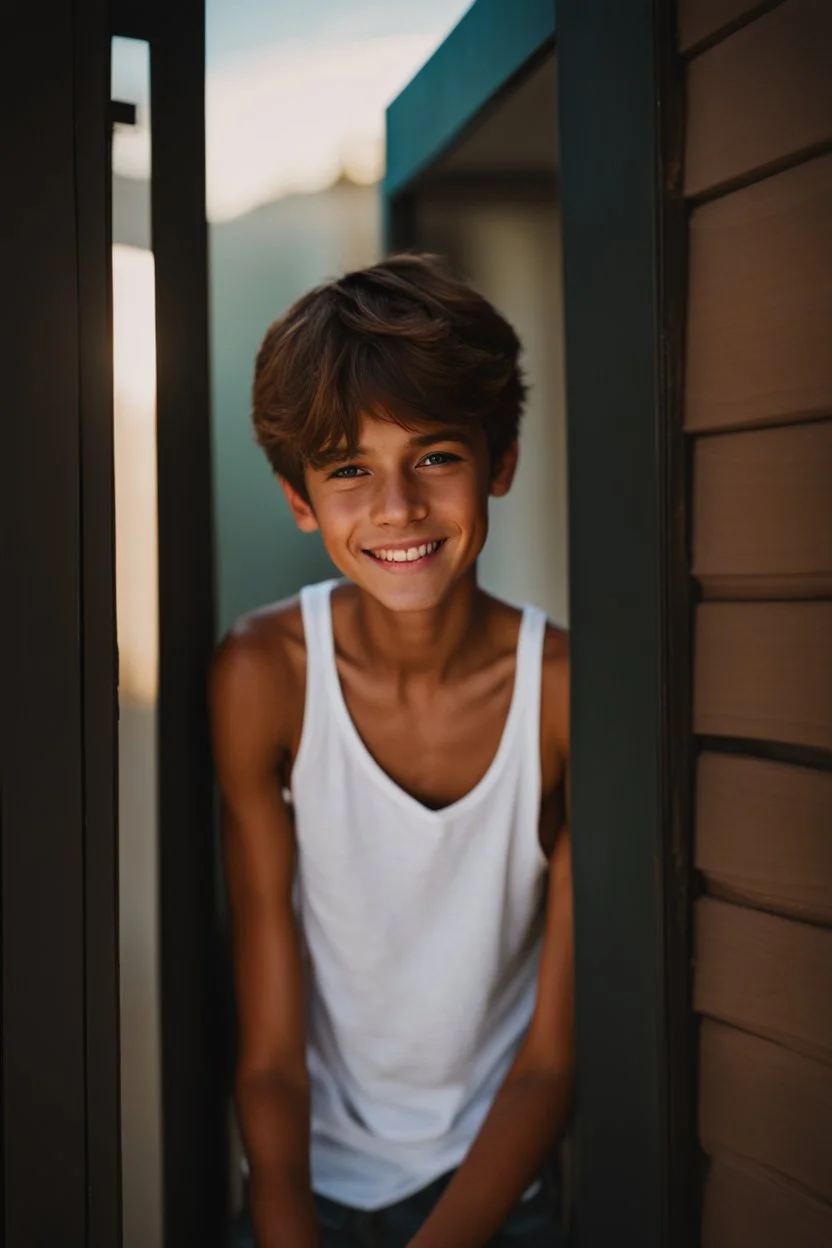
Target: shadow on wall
<point x="511" y="251"/>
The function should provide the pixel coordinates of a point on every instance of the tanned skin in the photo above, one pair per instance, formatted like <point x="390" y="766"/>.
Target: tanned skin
<point x="426" y="661"/>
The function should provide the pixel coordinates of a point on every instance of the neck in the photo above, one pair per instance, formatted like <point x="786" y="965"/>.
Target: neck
<point x="423" y="644"/>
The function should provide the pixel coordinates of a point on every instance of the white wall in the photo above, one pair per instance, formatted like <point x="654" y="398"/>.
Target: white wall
<point x="134" y="435"/>
<point x="141" y="1091"/>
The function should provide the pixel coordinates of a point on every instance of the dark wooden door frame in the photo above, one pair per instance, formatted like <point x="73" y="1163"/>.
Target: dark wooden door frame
<point x="60" y="1066"/>
<point x="620" y="110"/>
<point x="193" y="1006"/>
<point x="636" y="1161"/>
<point x="60" y="1115"/>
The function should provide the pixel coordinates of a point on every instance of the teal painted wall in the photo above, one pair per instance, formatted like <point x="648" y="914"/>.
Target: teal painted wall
<point x="260" y="263"/>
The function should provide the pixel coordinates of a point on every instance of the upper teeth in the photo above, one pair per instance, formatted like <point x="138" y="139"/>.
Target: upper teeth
<point x="406" y="556"/>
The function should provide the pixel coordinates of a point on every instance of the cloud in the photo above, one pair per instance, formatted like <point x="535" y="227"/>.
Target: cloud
<point x="288" y="118"/>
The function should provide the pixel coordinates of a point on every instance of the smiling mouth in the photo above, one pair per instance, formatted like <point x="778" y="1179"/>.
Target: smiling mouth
<point x="397" y="557"/>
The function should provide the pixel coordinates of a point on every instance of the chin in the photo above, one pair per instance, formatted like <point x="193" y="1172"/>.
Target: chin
<point x="410" y="592"/>
<point x="409" y="599"/>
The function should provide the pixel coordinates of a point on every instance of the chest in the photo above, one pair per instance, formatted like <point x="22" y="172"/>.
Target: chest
<point x="438" y="745"/>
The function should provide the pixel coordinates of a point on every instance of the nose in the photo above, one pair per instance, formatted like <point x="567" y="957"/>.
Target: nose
<point x="398" y="500"/>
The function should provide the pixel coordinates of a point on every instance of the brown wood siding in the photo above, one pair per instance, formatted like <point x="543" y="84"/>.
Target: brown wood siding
<point x="764" y="834"/>
<point x="758" y="412"/>
<point x="760" y="303"/>
<point x="762" y="513"/>
<point x="746" y="1206"/>
<point x="766" y="1103"/>
<point x="703" y="19"/>
<point x="765" y="974"/>
<point x="763" y="672"/>
<point x="761" y="97"/>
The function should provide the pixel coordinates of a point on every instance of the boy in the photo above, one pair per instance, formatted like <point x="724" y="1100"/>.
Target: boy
<point x="392" y="751"/>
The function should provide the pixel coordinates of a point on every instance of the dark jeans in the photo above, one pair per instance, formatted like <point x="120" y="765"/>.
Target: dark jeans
<point x="533" y="1223"/>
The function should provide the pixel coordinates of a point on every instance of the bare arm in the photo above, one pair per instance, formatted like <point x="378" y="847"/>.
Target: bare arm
<point x="272" y="1090"/>
<point x="531" y="1111"/>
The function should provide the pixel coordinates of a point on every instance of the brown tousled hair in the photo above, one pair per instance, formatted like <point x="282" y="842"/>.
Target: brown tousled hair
<point x="404" y="340"/>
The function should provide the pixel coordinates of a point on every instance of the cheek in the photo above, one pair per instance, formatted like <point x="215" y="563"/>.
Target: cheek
<point x="465" y="496"/>
<point x="338" y="513"/>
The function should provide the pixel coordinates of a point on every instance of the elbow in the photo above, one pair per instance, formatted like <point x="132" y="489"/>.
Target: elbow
<point x="286" y="1083"/>
<point x="549" y="1064"/>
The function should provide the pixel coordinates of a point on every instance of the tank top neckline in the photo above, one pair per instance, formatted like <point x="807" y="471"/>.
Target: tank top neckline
<point x="368" y="760"/>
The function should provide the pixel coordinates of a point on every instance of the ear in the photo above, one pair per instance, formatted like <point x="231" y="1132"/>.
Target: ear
<point x="300" y="509"/>
<point x="504" y="471"/>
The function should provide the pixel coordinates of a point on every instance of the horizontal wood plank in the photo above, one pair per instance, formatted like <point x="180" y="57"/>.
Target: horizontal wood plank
<point x="759" y="97"/>
<point x="764" y="833"/>
<point x="765" y="974"/>
<point x="746" y="1206"/>
<point x="766" y="1103"/>
<point x="763" y="671"/>
<point x="762" y="512"/>
<point x="706" y="19"/>
<point x="760" y="303"/>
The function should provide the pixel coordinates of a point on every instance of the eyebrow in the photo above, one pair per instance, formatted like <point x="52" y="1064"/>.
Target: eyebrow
<point x="443" y="435"/>
<point x="339" y="455"/>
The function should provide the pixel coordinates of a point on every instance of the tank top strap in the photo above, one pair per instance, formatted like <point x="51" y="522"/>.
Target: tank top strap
<point x="316" y="613"/>
<point x="528" y="678"/>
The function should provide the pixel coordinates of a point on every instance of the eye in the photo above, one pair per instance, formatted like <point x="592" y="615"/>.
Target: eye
<point x="348" y="473"/>
<point x="437" y="458"/>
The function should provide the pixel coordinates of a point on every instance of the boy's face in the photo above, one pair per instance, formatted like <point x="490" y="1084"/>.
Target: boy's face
<point x="407" y="516"/>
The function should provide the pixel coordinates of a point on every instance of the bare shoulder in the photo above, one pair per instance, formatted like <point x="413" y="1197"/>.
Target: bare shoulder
<point x="554" y="714"/>
<point x="263" y="650"/>
<point x="257" y="679"/>
<point x="556" y="659"/>
<point x="554" y="679"/>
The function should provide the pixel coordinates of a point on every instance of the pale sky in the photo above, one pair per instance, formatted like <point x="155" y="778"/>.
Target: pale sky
<point x="294" y="93"/>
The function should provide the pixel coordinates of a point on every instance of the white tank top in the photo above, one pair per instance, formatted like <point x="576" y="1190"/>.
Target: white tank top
<point x="422" y="929"/>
